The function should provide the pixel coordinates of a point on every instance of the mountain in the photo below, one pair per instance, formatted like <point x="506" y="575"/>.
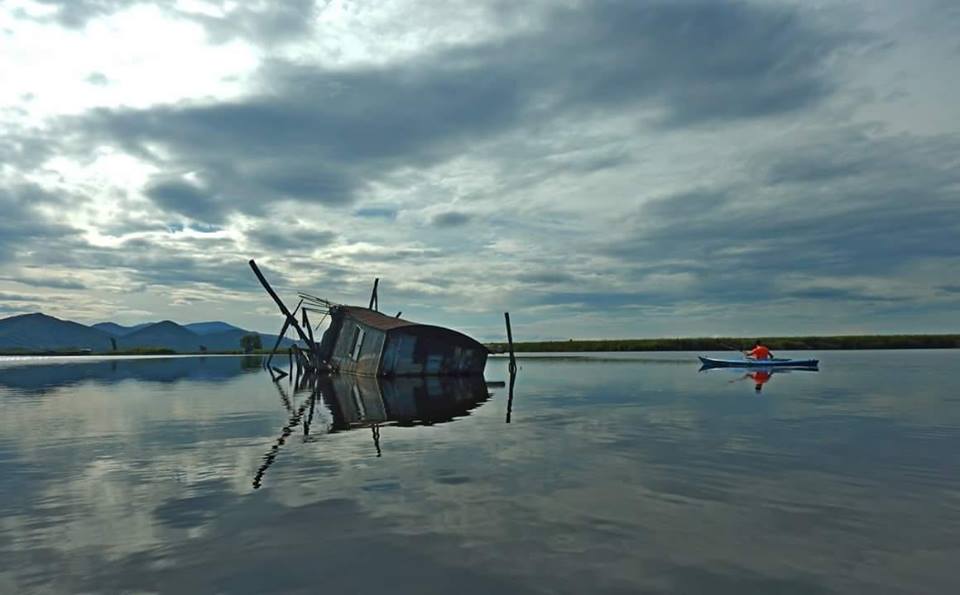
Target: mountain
<point x="39" y="332"/>
<point x="171" y="335"/>
<point x="166" y="334"/>
<point x="117" y="330"/>
<point x="231" y="340"/>
<point x="208" y="328"/>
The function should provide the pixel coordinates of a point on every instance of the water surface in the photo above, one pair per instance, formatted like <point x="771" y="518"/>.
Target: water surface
<point x="618" y="473"/>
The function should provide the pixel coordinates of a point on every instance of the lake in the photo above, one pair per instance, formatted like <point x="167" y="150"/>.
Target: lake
<point x="617" y="473"/>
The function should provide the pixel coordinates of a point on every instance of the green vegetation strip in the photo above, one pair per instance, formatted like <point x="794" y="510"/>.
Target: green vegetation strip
<point x="730" y="343"/>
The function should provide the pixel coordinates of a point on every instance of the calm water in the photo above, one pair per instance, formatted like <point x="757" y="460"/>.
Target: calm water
<point x="618" y="474"/>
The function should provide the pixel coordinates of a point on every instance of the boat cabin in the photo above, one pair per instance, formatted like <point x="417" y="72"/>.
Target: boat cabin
<point x="366" y="342"/>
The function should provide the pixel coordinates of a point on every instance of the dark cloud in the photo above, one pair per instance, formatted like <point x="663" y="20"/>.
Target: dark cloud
<point x="320" y="135"/>
<point x="23" y="226"/>
<point x="262" y="22"/>
<point x="284" y="238"/>
<point x="546" y="277"/>
<point x="16" y="297"/>
<point x="840" y="294"/>
<point x="592" y="299"/>
<point x="388" y="213"/>
<point x="164" y="262"/>
<point x="46" y="281"/>
<point x="267" y="22"/>
<point x="894" y="210"/>
<point x="698" y="61"/>
<point x="395" y="254"/>
<point x="24" y="149"/>
<point x="451" y="219"/>
<point x="205" y="228"/>
<point x="188" y="199"/>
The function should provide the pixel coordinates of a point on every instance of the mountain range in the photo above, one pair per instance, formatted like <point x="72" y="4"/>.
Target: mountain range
<point x="40" y="332"/>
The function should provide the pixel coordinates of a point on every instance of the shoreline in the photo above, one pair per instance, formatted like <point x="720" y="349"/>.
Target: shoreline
<point x="838" y="343"/>
<point x="832" y="343"/>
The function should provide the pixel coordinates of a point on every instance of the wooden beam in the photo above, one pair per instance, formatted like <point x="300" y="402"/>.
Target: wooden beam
<point x="374" y="302"/>
<point x="306" y="323"/>
<point x="283" y="332"/>
<point x="283" y="308"/>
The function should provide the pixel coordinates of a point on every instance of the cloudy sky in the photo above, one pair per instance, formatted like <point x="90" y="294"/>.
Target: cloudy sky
<point x="600" y="169"/>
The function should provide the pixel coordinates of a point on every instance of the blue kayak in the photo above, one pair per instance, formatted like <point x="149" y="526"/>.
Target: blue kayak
<point x="774" y="362"/>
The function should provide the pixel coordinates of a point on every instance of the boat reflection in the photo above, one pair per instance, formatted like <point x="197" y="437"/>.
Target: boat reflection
<point x="758" y="375"/>
<point x="359" y="401"/>
<point x="369" y="402"/>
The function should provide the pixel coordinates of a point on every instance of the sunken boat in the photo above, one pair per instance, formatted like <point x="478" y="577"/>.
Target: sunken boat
<point x="365" y="342"/>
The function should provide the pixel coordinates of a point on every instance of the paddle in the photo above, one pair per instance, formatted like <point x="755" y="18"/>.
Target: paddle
<point x="740" y="351"/>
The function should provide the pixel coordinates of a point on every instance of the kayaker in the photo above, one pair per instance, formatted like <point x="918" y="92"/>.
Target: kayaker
<point x="759" y="352"/>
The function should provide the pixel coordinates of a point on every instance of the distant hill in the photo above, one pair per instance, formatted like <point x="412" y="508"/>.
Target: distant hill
<point x="166" y="334"/>
<point x="220" y="341"/>
<point x="208" y="328"/>
<point x="117" y="330"/>
<point x="39" y="333"/>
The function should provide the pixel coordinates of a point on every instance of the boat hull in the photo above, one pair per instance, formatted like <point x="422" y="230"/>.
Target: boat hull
<point x="758" y="363"/>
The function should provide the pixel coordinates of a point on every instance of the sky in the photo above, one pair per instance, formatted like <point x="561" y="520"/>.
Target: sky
<point x="609" y="169"/>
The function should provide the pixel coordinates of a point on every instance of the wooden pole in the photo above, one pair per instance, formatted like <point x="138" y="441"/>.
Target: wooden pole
<point x="513" y="360"/>
<point x="280" y="304"/>
<point x="306" y="323"/>
<point x="283" y="331"/>
<point x="374" y="302"/>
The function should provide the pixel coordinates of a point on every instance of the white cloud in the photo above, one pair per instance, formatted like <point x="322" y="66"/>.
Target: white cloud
<point x="611" y="168"/>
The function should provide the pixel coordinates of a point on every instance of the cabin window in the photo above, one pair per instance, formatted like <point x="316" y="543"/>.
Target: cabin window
<point x="356" y="344"/>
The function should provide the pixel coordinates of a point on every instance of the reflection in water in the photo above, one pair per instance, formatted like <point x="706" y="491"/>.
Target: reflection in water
<point x="513" y="381"/>
<point x="613" y="477"/>
<point x="369" y="402"/>
<point x="358" y="401"/>
<point x="759" y="376"/>
<point x="40" y="375"/>
<point x="292" y="423"/>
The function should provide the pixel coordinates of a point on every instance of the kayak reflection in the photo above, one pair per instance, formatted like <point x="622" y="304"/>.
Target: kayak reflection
<point x="758" y="375"/>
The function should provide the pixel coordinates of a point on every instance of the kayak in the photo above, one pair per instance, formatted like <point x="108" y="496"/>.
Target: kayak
<point x="774" y="362"/>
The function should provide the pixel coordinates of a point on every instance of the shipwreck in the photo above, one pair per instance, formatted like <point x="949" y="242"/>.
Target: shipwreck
<point x="363" y="341"/>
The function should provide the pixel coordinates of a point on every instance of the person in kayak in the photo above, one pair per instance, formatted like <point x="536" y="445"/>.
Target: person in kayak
<point x="759" y="351"/>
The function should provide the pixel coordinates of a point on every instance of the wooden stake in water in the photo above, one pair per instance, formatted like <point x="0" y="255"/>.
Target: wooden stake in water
<point x="513" y="360"/>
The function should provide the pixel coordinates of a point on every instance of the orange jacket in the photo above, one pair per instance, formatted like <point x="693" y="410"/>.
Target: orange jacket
<point x="759" y="352"/>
